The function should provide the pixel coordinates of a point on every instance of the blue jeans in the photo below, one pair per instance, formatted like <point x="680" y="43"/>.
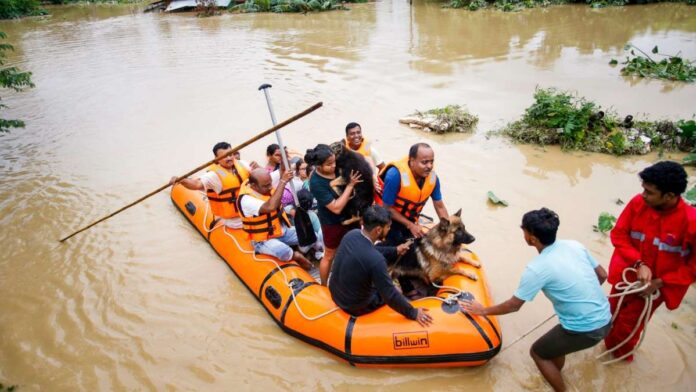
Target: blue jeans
<point x="280" y="247"/>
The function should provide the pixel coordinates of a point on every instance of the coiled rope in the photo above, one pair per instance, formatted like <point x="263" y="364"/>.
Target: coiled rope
<point x="629" y="288"/>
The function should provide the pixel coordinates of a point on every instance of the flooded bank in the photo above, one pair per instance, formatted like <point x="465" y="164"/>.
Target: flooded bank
<point x="125" y="100"/>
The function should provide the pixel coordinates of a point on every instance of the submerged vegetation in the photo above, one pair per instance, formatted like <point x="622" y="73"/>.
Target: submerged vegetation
<point x="282" y="6"/>
<point x="451" y="118"/>
<point x="559" y="117"/>
<point x="644" y="66"/>
<point x="518" y="5"/>
<point x="11" y="78"/>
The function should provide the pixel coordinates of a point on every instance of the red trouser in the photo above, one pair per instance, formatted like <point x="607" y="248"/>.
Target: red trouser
<point x="626" y="320"/>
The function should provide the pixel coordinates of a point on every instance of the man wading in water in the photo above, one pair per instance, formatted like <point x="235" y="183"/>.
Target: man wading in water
<point x="655" y="235"/>
<point x="570" y="277"/>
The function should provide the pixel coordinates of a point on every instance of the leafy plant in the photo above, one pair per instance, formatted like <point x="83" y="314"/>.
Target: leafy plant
<point x="605" y="222"/>
<point x="517" y="5"/>
<point x="12" y="78"/>
<point x="559" y="117"/>
<point x="495" y="199"/>
<point x="10" y="9"/>
<point x="283" y="6"/>
<point x="670" y="67"/>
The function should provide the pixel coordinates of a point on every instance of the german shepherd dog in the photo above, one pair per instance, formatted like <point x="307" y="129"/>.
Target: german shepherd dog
<point x="438" y="251"/>
<point x="363" y="195"/>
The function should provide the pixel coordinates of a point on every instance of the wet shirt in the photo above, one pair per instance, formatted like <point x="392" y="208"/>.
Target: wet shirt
<point x="359" y="271"/>
<point x="564" y="271"/>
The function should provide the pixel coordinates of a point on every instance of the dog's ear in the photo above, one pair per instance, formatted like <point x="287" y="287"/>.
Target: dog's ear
<point x="458" y="214"/>
<point x="443" y="225"/>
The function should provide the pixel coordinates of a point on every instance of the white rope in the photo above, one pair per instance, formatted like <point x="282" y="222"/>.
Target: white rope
<point x="285" y="276"/>
<point x="629" y="288"/>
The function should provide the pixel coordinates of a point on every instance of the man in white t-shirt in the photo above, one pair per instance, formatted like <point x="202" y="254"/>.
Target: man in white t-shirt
<point x="221" y="183"/>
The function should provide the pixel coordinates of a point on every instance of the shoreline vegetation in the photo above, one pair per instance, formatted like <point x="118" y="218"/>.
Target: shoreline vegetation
<point x="290" y="6"/>
<point x="11" y="78"/>
<point x="519" y="5"/>
<point x="13" y="9"/>
<point x="575" y="123"/>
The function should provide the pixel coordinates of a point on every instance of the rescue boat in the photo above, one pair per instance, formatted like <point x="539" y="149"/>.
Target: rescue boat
<point x="384" y="338"/>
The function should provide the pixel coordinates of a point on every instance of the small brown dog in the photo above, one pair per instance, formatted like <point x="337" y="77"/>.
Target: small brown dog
<point x="438" y="252"/>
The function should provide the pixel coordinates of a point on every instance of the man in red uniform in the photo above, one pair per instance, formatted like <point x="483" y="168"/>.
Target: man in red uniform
<point x="655" y="234"/>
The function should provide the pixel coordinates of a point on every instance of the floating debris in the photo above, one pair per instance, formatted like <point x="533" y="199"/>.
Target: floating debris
<point x="495" y="199"/>
<point x="452" y="118"/>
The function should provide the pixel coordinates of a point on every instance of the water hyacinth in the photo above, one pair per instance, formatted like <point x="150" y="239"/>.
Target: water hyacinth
<point x="560" y="117"/>
<point x="669" y="68"/>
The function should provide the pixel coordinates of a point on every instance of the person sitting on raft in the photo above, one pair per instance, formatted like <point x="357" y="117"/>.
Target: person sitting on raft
<point x="221" y="183"/>
<point x="570" y="277"/>
<point x="360" y="282"/>
<point x="408" y="184"/>
<point x="356" y="142"/>
<point x="264" y="219"/>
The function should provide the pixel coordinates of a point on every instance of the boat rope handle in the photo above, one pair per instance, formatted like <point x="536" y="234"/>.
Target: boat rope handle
<point x="253" y="253"/>
<point x="285" y="276"/>
<point x="629" y="288"/>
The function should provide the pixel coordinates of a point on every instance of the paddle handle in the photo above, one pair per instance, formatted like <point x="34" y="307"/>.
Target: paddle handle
<point x="203" y="166"/>
<point x="264" y="87"/>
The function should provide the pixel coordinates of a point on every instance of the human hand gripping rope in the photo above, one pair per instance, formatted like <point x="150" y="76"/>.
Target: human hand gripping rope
<point x="629" y="288"/>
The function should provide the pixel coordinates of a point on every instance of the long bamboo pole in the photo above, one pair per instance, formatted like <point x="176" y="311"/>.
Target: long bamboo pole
<point x="203" y="166"/>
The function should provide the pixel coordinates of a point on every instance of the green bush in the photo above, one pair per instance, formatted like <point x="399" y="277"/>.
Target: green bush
<point x="10" y="9"/>
<point x="559" y="117"/>
<point x="644" y="66"/>
<point x="517" y="5"/>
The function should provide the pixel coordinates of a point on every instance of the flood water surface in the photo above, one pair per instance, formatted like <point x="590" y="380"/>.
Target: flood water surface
<point x="125" y="100"/>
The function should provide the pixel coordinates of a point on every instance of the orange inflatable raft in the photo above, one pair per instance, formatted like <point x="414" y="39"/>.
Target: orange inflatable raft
<point x="384" y="338"/>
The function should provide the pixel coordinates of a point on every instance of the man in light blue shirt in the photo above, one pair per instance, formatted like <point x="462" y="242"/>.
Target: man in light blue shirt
<point x="570" y="277"/>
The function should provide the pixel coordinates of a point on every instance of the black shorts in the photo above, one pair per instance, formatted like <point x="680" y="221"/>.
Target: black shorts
<point x="560" y="341"/>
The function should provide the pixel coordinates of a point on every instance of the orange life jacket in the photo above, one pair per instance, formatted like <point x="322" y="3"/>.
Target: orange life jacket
<point x="265" y="226"/>
<point x="223" y="204"/>
<point x="411" y="198"/>
<point x="364" y="149"/>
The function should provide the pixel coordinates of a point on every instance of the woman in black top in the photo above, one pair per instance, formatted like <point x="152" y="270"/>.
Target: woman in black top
<point x="330" y="204"/>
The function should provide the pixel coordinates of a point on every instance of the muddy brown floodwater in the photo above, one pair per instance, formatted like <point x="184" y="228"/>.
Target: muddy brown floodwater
<point x="124" y="100"/>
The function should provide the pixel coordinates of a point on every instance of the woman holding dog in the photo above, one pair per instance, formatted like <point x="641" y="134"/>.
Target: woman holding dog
<point x="330" y="204"/>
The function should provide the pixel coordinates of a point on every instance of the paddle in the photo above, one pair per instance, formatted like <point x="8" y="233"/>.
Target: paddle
<point x="203" y="166"/>
<point x="303" y="223"/>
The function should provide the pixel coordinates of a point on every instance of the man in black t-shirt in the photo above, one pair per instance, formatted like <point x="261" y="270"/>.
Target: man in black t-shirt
<point x="360" y="282"/>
